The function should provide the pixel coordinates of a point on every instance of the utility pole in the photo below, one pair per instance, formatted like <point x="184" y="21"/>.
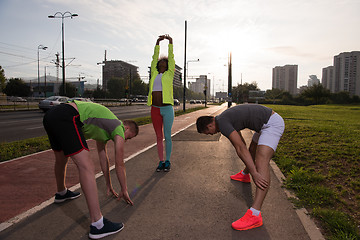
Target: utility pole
<point x="229" y="82"/>
<point x="57" y="63"/>
<point x="45" y="82"/>
<point x="184" y="100"/>
<point x="104" y="84"/>
<point x="205" y="90"/>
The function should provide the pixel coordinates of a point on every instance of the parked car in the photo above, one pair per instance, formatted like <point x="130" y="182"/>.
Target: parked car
<point x="192" y="102"/>
<point x="17" y="99"/>
<point x="176" y="102"/>
<point x="49" y="102"/>
<point x="79" y="99"/>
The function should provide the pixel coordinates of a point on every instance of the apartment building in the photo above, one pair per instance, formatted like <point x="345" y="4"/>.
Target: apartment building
<point x="199" y="85"/>
<point x="117" y="69"/>
<point x="347" y="73"/>
<point x="327" y="79"/>
<point x="177" y="77"/>
<point x="285" y="78"/>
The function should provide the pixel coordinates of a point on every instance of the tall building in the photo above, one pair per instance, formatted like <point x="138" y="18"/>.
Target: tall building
<point x="117" y="69"/>
<point x="347" y="72"/>
<point x="177" y="77"/>
<point x="199" y="85"/>
<point x="285" y="78"/>
<point x="327" y="79"/>
<point x="313" y="80"/>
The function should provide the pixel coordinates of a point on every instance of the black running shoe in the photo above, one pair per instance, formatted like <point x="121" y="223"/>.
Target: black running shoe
<point x="161" y="166"/>
<point x="167" y="166"/>
<point x="68" y="196"/>
<point x="108" y="229"/>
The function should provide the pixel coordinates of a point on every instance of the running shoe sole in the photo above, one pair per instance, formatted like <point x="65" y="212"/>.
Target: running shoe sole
<point x="65" y="199"/>
<point x="242" y="178"/>
<point x="98" y="236"/>
<point x="259" y="224"/>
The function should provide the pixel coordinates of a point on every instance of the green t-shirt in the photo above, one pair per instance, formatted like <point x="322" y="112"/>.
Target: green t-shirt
<point x="99" y="122"/>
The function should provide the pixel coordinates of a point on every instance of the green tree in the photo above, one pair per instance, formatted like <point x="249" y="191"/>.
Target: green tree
<point x="116" y="88"/>
<point x="2" y="79"/>
<point x="17" y="87"/>
<point x="178" y="93"/>
<point x="99" y="93"/>
<point x="88" y="93"/>
<point x="240" y="93"/>
<point x="274" y="94"/>
<point x="317" y="94"/>
<point x="138" y="87"/>
<point x="340" y="97"/>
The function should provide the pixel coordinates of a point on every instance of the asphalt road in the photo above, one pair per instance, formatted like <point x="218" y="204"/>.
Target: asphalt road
<point x="19" y="125"/>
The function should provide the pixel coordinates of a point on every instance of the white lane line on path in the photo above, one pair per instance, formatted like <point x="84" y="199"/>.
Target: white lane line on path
<point x="34" y="128"/>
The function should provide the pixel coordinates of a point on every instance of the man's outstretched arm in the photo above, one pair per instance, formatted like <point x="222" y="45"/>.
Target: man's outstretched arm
<point x="120" y="168"/>
<point x="105" y="166"/>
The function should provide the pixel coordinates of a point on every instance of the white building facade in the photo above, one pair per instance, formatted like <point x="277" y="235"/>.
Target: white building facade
<point x="347" y="73"/>
<point x="285" y="78"/>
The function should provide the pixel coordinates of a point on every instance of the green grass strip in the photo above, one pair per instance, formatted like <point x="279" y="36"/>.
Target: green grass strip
<point x="319" y="155"/>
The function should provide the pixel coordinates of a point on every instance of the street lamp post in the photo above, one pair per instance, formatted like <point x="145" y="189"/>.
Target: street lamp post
<point x="62" y="16"/>
<point x="43" y="48"/>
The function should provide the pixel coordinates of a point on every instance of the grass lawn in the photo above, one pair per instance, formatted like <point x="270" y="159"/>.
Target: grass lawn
<point x="319" y="154"/>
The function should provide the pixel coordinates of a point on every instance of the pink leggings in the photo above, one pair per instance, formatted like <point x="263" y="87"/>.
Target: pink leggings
<point x="163" y="116"/>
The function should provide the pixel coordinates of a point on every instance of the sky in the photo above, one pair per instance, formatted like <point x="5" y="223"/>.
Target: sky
<point x="259" y="34"/>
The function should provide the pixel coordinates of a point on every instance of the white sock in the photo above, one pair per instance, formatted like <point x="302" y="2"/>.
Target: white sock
<point x="62" y="193"/>
<point x="99" y="224"/>
<point x="242" y="172"/>
<point x="255" y="212"/>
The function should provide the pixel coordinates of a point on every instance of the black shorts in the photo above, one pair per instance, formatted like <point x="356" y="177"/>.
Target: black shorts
<point x="63" y="126"/>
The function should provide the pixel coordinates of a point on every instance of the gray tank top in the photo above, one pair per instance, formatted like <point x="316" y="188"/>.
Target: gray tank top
<point x="252" y="116"/>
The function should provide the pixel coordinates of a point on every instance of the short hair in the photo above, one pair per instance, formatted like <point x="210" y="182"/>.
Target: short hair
<point x="133" y="126"/>
<point x="202" y="122"/>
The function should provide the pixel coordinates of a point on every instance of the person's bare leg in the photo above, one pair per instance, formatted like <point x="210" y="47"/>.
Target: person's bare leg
<point x="262" y="160"/>
<point x="88" y="183"/>
<point x="252" y="150"/>
<point x="60" y="170"/>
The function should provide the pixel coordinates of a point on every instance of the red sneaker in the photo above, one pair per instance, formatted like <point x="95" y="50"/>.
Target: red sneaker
<point x="241" y="177"/>
<point x="248" y="221"/>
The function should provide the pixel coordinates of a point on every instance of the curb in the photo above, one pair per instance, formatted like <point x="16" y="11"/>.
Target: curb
<point x="309" y="225"/>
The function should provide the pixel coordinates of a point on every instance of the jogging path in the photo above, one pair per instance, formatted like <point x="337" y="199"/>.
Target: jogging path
<point x="195" y="200"/>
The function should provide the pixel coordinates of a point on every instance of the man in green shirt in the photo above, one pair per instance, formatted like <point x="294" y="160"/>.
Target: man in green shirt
<point x="68" y="126"/>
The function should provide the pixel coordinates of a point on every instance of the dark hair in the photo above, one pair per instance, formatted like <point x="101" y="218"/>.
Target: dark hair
<point x="202" y="122"/>
<point x="133" y="126"/>
<point x="163" y="59"/>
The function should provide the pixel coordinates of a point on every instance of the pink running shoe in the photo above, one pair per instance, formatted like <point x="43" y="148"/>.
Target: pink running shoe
<point x="241" y="177"/>
<point x="248" y="221"/>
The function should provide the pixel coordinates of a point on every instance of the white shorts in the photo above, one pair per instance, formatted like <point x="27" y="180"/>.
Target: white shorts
<point x="270" y="132"/>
